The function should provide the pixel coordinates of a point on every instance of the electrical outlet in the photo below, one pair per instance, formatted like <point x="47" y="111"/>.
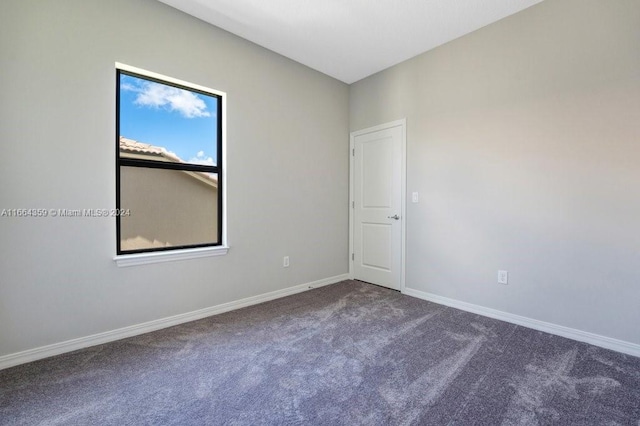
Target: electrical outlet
<point x="503" y="277"/>
<point x="285" y="262"/>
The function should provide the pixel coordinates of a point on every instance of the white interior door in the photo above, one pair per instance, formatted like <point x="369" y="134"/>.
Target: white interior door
<point x="377" y="205"/>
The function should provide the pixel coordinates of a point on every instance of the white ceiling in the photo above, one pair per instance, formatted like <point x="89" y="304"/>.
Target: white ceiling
<point x="350" y="39"/>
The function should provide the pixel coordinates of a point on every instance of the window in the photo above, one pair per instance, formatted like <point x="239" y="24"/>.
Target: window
<point x="168" y="163"/>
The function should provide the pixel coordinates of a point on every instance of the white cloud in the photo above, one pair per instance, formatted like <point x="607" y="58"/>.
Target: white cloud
<point x="129" y="87"/>
<point x="202" y="158"/>
<point x="159" y="95"/>
<point x="156" y="95"/>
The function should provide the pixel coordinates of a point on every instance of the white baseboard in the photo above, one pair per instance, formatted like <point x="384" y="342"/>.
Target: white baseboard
<point x="570" y="333"/>
<point x="29" y="355"/>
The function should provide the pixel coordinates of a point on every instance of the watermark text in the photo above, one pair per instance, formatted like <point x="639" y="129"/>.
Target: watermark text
<point x="65" y="212"/>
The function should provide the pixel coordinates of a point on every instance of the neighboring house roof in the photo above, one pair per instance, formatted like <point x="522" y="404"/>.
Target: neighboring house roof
<point x="130" y="148"/>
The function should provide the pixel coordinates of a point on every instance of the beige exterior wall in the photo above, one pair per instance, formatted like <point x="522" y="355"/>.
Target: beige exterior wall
<point x="167" y="208"/>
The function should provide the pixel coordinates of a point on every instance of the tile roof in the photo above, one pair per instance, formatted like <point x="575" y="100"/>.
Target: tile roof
<point x="135" y="147"/>
<point x="157" y="153"/>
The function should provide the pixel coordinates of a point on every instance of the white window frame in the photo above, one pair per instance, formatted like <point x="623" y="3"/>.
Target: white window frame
<point x="133" y="259"/>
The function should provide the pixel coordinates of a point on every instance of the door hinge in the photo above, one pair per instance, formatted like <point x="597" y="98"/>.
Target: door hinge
<point x="353" y="256"/>
<point x="353" y="152"/>
<point x="353" y="204"/>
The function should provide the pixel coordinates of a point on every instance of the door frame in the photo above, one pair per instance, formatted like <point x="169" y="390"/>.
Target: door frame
<point x="403" y="191"/>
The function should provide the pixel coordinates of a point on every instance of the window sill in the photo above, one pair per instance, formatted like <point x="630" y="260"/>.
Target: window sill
<point x="168" y="256"/>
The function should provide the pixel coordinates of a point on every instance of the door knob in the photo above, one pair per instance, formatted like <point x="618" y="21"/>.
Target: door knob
<point x="395" y="216"/>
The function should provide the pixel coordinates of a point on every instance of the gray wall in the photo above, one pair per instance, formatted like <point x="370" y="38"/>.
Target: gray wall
<point x="524" y="144"/>
<point x="522" y="141"/>
<point x="287" y="168"/>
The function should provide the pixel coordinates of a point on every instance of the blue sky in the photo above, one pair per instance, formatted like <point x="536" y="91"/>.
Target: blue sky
<point x="182" y="121"/>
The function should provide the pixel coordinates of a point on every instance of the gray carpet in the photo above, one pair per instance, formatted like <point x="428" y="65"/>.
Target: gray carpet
<point x="349" y="353"/>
